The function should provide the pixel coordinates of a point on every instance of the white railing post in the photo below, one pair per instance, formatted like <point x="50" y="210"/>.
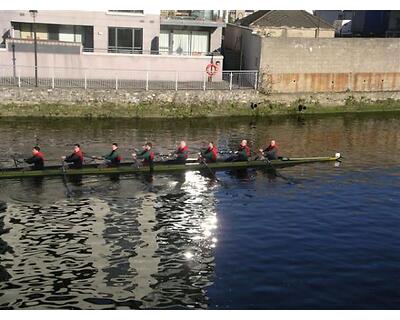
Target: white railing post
<point x="204" y="82"/>
<point x="147" y="81"/>
<point x="85" y="81"/>
<point x="116" y="82"/>
<point x="52" y="82"/>
<point x="19" y="80"/>
<point x="230" y="81"/>
<point x="176" y="81"/>
<point x="255" y="80"/>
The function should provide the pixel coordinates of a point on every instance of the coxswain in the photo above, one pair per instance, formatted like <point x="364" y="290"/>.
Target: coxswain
<point x="37" y="159"/>
<point x="113" y="158"/>
<point x="271" y="152"/>
<point x="210" y="154"/>
<point x="147" y="155"/>
<point x="75" y="159"/>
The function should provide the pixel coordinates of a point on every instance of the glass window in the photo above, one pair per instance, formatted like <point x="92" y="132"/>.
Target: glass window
<point x="26" y="31"/>
<point x="199" y="42"/>
<point x="125" y="40"/>
<point x="41" y="32"/>
<point x="138" y="41"/>
<point x="78" y="33"/>
<point x="53" y="31"/>
<point x="67" y="33"/>
<point x="181" y="42"/>
<point x="112" y="41"/>
<point x="87" y="38"/>
<point x="164" y="41"/>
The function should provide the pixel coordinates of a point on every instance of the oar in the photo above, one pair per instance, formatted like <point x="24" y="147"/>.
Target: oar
<point x="202" y="161"/>
<point x="69" y="193"/>
<point x="273" y="169"/>
<point x="15" y="162"/>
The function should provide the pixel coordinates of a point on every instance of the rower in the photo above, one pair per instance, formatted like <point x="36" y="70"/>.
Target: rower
<point x="210" y="154"/>
<point x="37" y="159"/>
<point x="181" y="153"/>
<point x="113" y="158"/>
<point x="147" y="155"/>
<point x="242" y="154"/>
<point x="271" y="152"/>
<point x="76" y="158"/>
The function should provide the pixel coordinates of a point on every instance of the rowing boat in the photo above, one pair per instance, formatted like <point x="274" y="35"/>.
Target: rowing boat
<point x="130" y="167"/>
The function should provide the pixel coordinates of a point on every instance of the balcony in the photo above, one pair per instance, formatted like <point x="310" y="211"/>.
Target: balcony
<point x="204" y="18"/>
<point x="43" y="46"/>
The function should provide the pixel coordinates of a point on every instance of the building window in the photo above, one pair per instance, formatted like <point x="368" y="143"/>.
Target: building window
<point x="165" y="42"/>
<point x="199" y="42"/>
<point x="184" y="42"/>
<point x="56" y="32"/>
<point x="125" y="40"/>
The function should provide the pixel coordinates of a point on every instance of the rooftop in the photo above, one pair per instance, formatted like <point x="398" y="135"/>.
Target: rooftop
<point x="284" y="18"/>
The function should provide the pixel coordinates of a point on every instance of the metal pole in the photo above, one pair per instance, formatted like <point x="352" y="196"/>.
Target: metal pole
<point x="35" y="45"/>
<point x="19" y="81"/>
<point x="36" y="66"/>
<point x="204" y="82"/>
<point x="230" y="81"/>
<point x="14" y="59"/>
<point x="255" y="81"/>
<point x="52" y="81"/>
<point x="85" y="81"/>
<point x="116" y="82"/>
<point x="176" y="81"/>
<point x="147" y="81"/>
<point x="33" y="13"/>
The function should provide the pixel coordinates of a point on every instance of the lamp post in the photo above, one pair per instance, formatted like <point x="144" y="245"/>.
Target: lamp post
<point x="33" y="14"/>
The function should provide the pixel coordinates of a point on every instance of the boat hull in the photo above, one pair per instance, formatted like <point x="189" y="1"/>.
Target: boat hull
<point x="130" y="168"/>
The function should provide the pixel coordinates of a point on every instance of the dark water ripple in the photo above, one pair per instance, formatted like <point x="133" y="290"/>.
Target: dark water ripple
<point x="325" y="237"/>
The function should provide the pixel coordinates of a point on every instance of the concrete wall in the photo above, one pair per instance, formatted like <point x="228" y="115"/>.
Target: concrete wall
<point x="108" y="65"/>
<point x="241" y="40"/>
<point x="100" y="20"/>
<point x="215" y="40"/>
<point x="331" y="65"/>
<point x="251" y="49"/>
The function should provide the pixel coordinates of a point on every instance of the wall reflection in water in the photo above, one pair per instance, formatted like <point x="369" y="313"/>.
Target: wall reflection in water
<point x="151" y="249"/>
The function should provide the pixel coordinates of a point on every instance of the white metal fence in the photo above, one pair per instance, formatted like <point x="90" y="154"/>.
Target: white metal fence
<point x="24" y="76"/>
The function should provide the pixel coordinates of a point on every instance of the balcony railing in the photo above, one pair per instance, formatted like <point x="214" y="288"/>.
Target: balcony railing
<point x="161" y="51"/>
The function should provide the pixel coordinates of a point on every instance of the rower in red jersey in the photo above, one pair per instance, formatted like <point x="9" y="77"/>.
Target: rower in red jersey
<point x="181" y="153"/>
<point x="147" y="155"/>
<point x="210" y="154"/>
<point x="37" y="159"/>
<point x="75" y="159"/>
<point x="270" y="152"/>
<point x="243" y="153"/>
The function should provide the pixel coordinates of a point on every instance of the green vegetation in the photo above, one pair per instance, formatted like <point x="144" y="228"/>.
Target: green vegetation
<point x="183" y="110"/>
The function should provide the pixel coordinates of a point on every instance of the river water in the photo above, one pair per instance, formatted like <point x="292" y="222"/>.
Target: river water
<point x="326" y="237"/>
